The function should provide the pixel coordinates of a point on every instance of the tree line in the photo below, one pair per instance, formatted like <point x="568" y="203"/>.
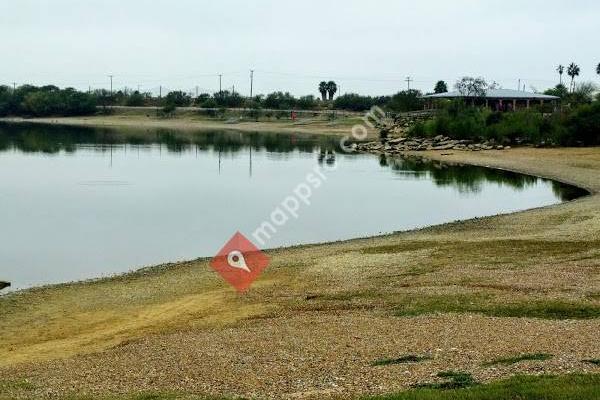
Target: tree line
<point x="28" y="100"/>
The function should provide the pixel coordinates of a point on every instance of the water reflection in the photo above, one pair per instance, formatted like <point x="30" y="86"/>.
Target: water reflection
<point x="51" y="139"/>
<point x="78" y="203"/>
<point x="470" y="179"/>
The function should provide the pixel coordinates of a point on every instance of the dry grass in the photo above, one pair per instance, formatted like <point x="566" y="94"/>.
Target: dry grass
<point x="334" y="308"/>
<point x="189" y="120"/>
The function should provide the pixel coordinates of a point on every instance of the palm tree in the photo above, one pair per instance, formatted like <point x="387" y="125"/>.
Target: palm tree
<point x="573" y="71"/>
<point x="561" y="70"/>
<point x="331" y="89"/>
<point x="323" y="90"/>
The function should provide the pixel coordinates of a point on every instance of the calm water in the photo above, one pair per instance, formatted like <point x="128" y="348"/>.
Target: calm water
<point x="81" y="203"/>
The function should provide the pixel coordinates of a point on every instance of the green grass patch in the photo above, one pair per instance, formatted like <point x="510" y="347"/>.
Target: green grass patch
<point x="452" y="380"/>
<point x="521" y="387"/>
<point x="484" y="304"/>
<point x="406" y="359"/>
<point x="20" y="385"/>
<point x="519" y="358"/>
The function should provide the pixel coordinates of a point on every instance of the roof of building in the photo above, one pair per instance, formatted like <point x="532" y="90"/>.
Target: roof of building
<point x="497" y="94"/>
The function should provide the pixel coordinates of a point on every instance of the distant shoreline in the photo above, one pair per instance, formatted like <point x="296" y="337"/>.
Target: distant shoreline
<point x="187" y="120"/>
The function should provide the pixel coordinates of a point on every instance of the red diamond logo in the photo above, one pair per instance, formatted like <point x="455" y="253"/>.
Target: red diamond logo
<point x="240" y="262"/>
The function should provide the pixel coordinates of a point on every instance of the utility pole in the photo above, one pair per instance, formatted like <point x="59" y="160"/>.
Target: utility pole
<point x="14" y="86"/>
<point x="251" y="82"/>
<point x="519" y="87"/>
<point x="408" y="81"/>
<point x="160" y="91"/>
<point x="196" y="90"/>
<point x="111" y="84"/>
<point x="220" y="90"/>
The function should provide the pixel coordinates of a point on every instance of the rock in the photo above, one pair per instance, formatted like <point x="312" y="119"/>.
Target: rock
<point x="397" y="140"/>
<point x="447" y="146"/>
<point x="447" y="142"/>
<point x="499" y="147"/>
<point x="438" y="138"/>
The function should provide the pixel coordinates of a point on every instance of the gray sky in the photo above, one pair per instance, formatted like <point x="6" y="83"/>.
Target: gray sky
<point x="368" y="47"/>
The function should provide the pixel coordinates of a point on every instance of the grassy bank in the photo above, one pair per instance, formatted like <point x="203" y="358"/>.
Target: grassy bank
<point x="575" y="387"/>
<point x="519" y="387"/>
<point x="460" y="296"/>
<point x="188" y="119"/>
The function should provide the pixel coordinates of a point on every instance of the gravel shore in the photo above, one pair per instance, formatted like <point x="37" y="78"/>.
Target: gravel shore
<point x="462" y="294"/>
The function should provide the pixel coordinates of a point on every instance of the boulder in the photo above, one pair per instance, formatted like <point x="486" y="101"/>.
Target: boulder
<point x="446" y="146"/>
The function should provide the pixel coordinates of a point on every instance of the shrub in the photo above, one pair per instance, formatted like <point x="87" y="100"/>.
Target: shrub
<point x="354" y="102"/>
<point x="583" y="125"/>
<point x="578" y="126"/>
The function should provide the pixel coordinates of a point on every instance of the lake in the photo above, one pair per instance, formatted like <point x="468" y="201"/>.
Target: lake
<point x="79" y="203"/>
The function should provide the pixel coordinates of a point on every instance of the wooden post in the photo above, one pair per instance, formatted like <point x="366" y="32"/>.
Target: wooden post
<point x="514" y="104"/>
<point x="528" y="103"/>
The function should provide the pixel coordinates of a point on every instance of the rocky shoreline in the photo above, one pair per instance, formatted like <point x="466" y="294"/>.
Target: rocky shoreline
<point x="401" y="144"/>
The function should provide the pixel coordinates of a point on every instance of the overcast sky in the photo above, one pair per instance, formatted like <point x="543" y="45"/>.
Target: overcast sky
<point x="367" y="47"/>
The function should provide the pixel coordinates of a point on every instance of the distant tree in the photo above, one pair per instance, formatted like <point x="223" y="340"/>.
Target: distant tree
<point x="598" y="69"/>
<point x="440" y="87"/>
<point x="50" y="100"/>
<point x="178" y="99"/>
<point x="331" y="89"/>
<point x="323" y="90"/>
<point x="307" y="102"/>
<point x="573" y="71"/>
<point x="135" y="99"/>
<point x="583" y="93"/>
<point x="202" y="97"/>
<point x="209" y="103"/>
<point x="559" y="90"/>
<point x="353" y="102"/>
<point x="407" y="100"/>
<point x="226" y="98"/>
<point x="561" y="70"/>
<point x="471" y="87"/>
<point x="280" y="101"/>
